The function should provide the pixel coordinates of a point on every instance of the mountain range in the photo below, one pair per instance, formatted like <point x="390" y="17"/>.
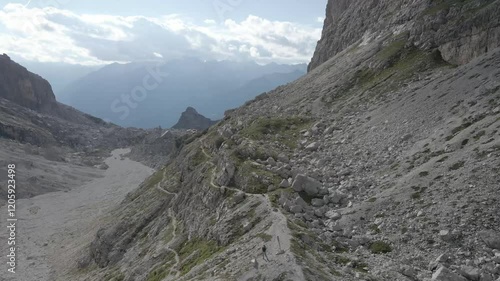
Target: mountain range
<point x="150" y="94"/>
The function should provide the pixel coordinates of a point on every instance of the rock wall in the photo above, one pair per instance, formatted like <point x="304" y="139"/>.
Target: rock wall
<point x="27" y="89"/>
<point x="460" y="29"/>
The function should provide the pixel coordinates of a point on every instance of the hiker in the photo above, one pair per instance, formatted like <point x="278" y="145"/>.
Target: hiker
<point x="264" y="253"/>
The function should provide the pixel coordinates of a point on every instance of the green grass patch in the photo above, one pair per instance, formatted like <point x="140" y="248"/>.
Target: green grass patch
<point x="402" y="65"/>
<point x="266" y="128"/>
<point x="204" y="249"/>
<point x="155" y="178"/>
<point x="254" y="179"/>
<point x="392" y="49"/>
<point x="265" y="237"/>
<point x="199" y="158"/>
<point x="158" y="273"/>
<point x="380" y="247"/>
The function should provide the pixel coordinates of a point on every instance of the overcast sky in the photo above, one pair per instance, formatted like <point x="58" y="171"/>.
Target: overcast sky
<point x="94" y="32"/>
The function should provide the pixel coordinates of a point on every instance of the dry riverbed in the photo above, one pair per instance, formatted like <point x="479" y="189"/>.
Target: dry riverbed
<point x="52" y="228"/>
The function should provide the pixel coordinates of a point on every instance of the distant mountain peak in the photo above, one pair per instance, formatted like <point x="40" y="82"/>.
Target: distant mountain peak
<point x="191" y="119"/>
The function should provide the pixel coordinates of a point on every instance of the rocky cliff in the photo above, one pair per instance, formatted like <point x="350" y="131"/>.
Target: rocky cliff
<point x="459" y="29"/>
<point x="24" y="88"/>
<point x="191" y="119"/>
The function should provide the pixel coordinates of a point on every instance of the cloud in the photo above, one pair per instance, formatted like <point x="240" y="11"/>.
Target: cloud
<point x="56" y="35"/>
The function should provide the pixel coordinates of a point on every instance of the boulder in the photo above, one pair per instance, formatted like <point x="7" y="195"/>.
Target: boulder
<point x="491" y="238"/>
<point x="470" y="273"/>
<point x="284" y="184"/>
<point x="297" y="209"/>
<point x="317" y="202"/>
<point x="444" y="274"/>
<point x="271" y="188"/>
<point x="333" y="215"/>
<point x="312" y="146"/>
<point x="239" y="197"/>
<point x="307" y="184"/>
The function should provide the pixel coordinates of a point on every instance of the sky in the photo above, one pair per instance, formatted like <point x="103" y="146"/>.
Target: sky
<point x="98" y="32"/>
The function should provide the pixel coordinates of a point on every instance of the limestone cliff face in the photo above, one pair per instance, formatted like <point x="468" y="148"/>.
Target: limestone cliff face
<point x="459" y="29"/>
<point x="191" y="119"/>
<point x="27" y="89"/>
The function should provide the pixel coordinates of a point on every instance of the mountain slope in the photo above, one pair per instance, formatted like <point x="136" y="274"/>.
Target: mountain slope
<point x="380" y="164"/>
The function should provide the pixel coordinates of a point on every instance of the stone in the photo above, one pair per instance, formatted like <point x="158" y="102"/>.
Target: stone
<point x="442" y="259"/>
<point x="239" y="197"/>
<point x="317" y="202"/>
<point x="271" y="188"/>
<point x="285" y="184"/>
<point x="312" y="146"/>
<point x="299" y="201"/>
<point x="470" y="273"/>
<point x="333" y="215"/>
<point x="296" y="209"/>
<point x="320" y="212"/>
<point x="283" y="158"/>
<point x="491" y="239"/>
<point x="337" y="197"/>
<point x="271" y="161"/>
<point x="444" y="274"/>
<point x="307" y="184"/>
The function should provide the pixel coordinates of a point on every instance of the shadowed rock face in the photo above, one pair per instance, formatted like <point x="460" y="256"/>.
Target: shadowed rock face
<point x="460" y="30"/>
<point x="191" y="119"/>
<point x="27" y="89"/>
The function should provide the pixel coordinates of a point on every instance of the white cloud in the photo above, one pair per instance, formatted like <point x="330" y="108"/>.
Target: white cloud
<point x="58" y="35"/>
<point x="320" y="19"/>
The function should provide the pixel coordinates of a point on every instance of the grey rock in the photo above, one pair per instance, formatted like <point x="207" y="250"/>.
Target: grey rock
<point x="285" y="184"/>
<point x="239" y="197"/>
<point x="317" y="202"/>
<point x="444" y="274"/>
<point x="307" y="184"/>
<point x="283" y="158"/>
<point x="491" y="238"/>
<point x="312" y="146"/>
<point x="333" y="215"/>
<point x="470" y="273"/>
<point x="296" y="209"/>
<point x="271" y="188"/>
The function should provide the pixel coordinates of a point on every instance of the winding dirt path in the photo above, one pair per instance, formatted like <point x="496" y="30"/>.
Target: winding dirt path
<point x="280" y="244"/>
<point x="173" y="221"/>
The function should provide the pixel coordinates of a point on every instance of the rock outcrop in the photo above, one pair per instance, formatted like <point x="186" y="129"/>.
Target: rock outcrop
<point x="460" y="30"/>
<point x="24" y="88"/>
<point x="191" y="119"/>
